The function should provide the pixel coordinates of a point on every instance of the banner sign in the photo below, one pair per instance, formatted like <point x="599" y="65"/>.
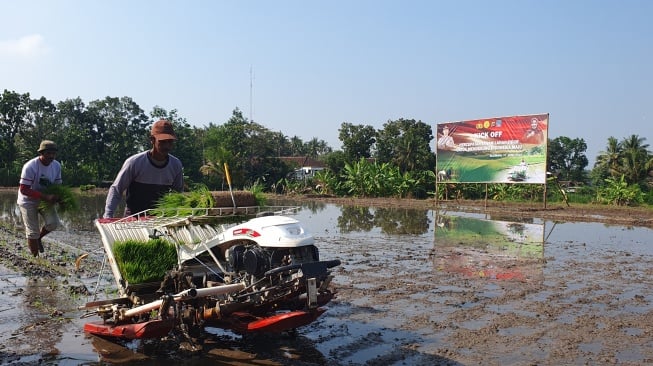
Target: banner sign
<point x="493" y="150"/>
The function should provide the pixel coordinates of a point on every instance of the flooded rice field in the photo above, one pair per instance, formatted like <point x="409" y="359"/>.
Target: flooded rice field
<point x="415" y="287"/>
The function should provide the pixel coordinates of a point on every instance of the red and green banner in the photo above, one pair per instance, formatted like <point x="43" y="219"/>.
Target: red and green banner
<point x="493" y="150"/>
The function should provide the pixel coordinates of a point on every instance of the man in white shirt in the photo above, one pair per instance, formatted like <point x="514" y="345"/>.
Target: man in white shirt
<point x="36" y="175"/>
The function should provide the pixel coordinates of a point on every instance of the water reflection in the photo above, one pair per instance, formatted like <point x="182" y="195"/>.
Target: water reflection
<point x="391" y="221"/>
<point x="91" y="207"/>
<point x="312" y="206"/>
<point x="213" y="349"/>
<point x="355" y="219"/>
<point x="402" y="221"/>
<point x="489" y="248"/>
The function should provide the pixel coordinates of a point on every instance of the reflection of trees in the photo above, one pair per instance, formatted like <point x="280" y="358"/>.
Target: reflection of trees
<point x="389" y="220"/>
<point x="91" y="207"/>
<point x="355" y="219"/>
<point x="10" y="212"/>
<point x="402" y="221"/>
<point x="512" y="218"/>
<point x="313" y="206"/>
<point x="516" y="228"/>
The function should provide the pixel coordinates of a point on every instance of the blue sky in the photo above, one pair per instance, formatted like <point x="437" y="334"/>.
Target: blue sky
<point x="304" y="67"/>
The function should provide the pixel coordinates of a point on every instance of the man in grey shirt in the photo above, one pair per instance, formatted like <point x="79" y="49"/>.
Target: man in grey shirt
<point x="147" y="176"/>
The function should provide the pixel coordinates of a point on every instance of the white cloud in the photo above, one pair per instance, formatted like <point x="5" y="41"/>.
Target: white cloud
<point x="24" y="47"/>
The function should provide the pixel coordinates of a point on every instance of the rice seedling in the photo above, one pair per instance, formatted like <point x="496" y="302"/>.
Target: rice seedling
<point x="183" y="203"/>
<point x="68" y="201"/>
<point x="142" y="262"/>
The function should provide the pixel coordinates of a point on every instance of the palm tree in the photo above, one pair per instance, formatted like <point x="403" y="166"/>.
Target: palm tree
<point x="216" y="170"/>
<point x="213" y="169"/>
<point x="406" y="153"/>
<point x="214" y="166"/>
<point x="649" y="166"/>
<point x="609" y="160"/>
<point x="315" y="148"/>
<point x="297" y="146"/>
<point x="634" y="158"/>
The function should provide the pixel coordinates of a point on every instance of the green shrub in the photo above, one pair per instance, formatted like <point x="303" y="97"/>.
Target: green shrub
<point x="619" y="193"/>
<point x="259" y="195"/>
<point x="648" y="197"/>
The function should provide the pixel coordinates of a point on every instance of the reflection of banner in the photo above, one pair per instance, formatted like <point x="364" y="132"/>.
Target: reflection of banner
<point x="493" y="150"/>
<point x="505" y="238"/>
<point x="502" y="250"/>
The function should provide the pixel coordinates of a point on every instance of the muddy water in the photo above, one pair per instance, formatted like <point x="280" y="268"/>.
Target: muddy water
<point x="416" y="287"/>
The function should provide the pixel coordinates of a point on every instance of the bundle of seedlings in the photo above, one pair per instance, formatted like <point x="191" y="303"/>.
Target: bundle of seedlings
<point x="205" y="205"/>
<point x="143" y="262"/>
<point x="68" y="201"/>
<point x="183" y="203"/>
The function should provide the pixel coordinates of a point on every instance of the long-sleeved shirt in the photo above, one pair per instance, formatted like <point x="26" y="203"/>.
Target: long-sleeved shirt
<point x="144" y="183"/>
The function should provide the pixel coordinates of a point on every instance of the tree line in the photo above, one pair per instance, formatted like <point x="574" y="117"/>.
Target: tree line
<point x="396" y="160"/>
<point x="96" y="137"/>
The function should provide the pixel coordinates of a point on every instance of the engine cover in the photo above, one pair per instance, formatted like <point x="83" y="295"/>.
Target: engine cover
<point x="256" y="261"/>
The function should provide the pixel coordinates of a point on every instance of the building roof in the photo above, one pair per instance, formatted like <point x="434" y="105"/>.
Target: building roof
<point x="302" y="161"/>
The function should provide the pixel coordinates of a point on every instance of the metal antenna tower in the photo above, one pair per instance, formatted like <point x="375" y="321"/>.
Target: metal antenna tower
<point x="251" y="87"/>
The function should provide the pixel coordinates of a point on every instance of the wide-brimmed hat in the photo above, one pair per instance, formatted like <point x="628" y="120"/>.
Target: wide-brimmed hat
<point x="162" y="130"/>
<point x="47" y="145"/>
